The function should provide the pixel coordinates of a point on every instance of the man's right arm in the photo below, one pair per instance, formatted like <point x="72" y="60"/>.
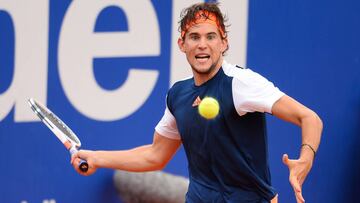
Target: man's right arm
<point x="150" y="157"/>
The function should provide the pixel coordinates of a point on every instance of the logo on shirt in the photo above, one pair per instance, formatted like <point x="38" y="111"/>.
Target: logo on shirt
<point x="196" y="102"/>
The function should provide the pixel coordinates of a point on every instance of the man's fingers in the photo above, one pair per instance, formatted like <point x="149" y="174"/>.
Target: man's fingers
<point x="72" y="159"/>
<point x="285" y="159"/>
<point x="301" y="180"/>
<point x="76" y="164"/>
<point x="299" y="197"/>
<point x="296" y="177"/>
<point x="295" y="183"/>
<point x="80" y="156"/>
<point x="297" y="189"/>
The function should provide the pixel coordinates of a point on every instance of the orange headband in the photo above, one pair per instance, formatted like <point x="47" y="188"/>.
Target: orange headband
<point x="203" y="17"/>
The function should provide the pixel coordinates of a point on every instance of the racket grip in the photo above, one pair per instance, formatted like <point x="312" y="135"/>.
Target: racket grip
<point x="83" y="165"/>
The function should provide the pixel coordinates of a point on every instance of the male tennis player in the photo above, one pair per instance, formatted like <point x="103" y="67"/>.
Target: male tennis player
<point x="227" y="156"/>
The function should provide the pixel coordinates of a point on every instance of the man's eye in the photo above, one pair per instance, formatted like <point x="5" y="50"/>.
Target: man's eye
<point x="194" y="37"/>
<point x="210" y="37"/>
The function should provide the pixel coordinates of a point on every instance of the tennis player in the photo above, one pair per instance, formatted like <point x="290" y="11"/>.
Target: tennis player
<point x="227" y="156"/>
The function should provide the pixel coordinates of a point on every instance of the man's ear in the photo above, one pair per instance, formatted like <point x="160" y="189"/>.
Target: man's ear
<point x="225" y="45"/>
<point x="181" y="44"/>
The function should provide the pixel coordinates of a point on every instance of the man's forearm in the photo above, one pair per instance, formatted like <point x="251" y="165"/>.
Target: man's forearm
<point x="139" y="159"/>
<point x="311" y="126"/>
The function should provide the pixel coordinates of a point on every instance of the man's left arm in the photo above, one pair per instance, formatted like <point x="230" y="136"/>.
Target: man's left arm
<point x="288" y="109"/>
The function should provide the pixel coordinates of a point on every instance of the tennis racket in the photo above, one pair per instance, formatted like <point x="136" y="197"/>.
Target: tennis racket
<point x="59" y="128"/>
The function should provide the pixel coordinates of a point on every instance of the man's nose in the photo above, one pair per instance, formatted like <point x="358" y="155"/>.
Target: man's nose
<point x="203" y="43"/>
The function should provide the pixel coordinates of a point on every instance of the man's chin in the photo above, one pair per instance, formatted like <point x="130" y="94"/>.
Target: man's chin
<point x="204" y="70"/>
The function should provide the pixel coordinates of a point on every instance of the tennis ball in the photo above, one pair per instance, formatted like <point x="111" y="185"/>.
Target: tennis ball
<point x="209" y="108"/>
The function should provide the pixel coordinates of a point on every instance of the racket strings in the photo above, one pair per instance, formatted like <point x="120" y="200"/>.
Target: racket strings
<point x="59" y="124"/>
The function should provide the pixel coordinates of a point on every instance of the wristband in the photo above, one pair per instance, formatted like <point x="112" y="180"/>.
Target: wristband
<point x="310" y="147"/>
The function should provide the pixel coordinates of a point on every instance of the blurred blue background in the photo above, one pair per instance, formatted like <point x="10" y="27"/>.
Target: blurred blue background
<point x="309" y="49"/>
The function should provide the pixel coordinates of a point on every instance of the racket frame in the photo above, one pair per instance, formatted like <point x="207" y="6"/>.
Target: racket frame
<point x="69" y="144"/>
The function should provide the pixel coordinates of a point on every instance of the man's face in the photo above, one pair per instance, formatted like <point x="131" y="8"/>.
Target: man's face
<point x="203" y="47"/>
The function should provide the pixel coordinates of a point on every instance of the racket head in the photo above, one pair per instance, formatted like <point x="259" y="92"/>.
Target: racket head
<point x="54" y="123"/>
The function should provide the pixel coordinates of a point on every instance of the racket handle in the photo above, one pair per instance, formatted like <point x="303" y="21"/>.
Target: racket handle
<point x="83" y="165"/>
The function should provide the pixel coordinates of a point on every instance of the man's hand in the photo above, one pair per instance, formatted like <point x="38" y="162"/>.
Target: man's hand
<point x="87" y="155"/>
<point x="299" y="169"/>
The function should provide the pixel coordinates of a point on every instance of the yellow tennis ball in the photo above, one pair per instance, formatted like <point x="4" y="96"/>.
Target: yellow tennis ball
<point x="209" y="108"/>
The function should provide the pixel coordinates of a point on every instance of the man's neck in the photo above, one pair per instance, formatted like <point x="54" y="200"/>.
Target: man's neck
<point x="200" y="79"/>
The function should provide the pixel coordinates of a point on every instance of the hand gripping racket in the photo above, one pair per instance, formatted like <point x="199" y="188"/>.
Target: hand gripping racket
<point x="59" y="128"/>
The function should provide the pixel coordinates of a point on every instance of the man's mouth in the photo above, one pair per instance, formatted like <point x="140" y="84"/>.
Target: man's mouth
<point x="202" y="57"/>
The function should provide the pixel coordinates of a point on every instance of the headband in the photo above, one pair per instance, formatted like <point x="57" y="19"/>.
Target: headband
<point x="203" y="17"/>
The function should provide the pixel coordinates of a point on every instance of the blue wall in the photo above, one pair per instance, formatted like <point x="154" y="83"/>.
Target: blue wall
<point x="309" y="49"/>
